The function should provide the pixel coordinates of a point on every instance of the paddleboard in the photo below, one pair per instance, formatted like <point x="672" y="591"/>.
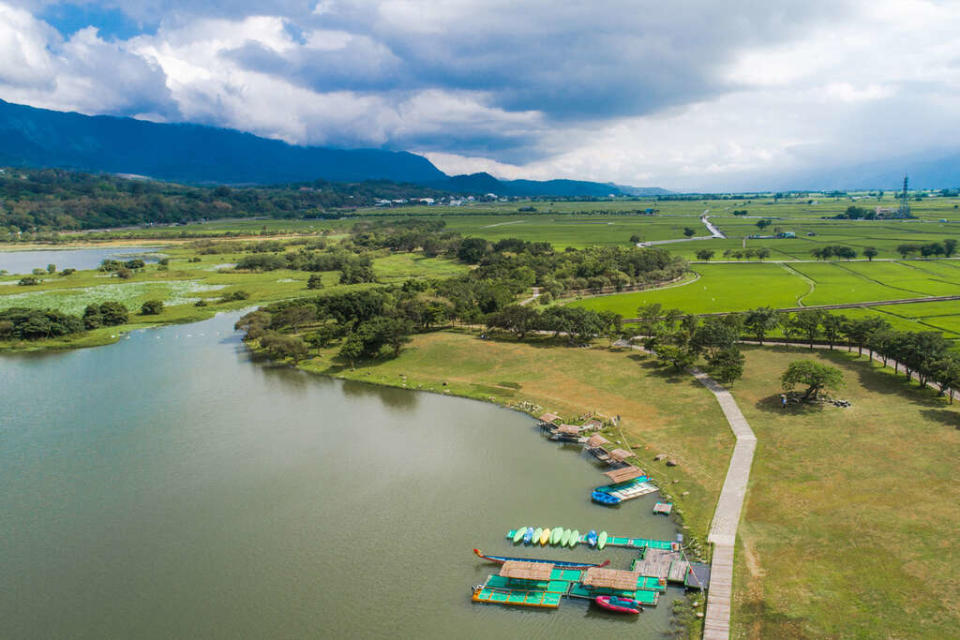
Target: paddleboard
<point x="565" y="540"/>
<point x="545" y="537"/>
<point x="574" y="538"/>
<point x="602" y="540"/>
<point x="518" y="536"/>
<point x="555" y="535"/>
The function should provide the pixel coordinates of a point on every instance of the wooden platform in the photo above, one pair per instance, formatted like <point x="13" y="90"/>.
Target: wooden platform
<point x="663" y="508"/>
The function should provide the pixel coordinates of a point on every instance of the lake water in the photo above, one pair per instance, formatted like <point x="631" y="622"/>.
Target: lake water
<point x="19" y="262"/>
<point x="169" y="487"/>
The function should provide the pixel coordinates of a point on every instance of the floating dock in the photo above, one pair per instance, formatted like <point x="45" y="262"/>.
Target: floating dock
<point x="546" y="591"/>
<point x="634" y="488"/>
<point x="620" y="541"/>
<point x="663" y="508"/>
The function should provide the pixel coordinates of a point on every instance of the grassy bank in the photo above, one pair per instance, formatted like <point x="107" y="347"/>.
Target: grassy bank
<point x="849" y="524"/>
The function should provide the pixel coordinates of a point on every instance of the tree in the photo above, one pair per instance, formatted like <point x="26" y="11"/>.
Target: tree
<point x="945" y="371"/>
<point x="315" y="281"/>
<point x="906" y="249"/>
<point x="949" y="247"/>
<point x="704" y="254"/>
<point x="762" y="253"/>
<point x="870" y="253"/>
<point x="151" y="308"/>
<point x="807" y="323"/>
<point x="859" y="331"/>
<point x="51" y="269"/>
<point x="761" y="320"/>
<point x="635" y="239"/>
<point x="764" y="223"/>
<point x="279" y="346"/>
<point x="675" y="355"/>
<point x="113" y="313"/>
<point x="515" y="318"/>
<point x="833" y="326"/>
<point x="728" y="364"/>
<point x="816" y="376"/>
<point x="472" y="250"/>
<point x="689" y="232"/>
<point x="714" y="336"/>
<point x="29" y="281"/>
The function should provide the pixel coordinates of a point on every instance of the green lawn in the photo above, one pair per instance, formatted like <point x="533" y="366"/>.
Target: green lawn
<point x="850" y="521"/>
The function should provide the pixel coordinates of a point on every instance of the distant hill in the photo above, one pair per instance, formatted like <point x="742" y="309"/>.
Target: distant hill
<point x="486" y="183"/>
<point x="196" y="154"/>
<point x="188" y="153"/>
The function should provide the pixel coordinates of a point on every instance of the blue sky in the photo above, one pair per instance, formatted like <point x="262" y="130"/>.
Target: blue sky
<point x="687" y="94"/>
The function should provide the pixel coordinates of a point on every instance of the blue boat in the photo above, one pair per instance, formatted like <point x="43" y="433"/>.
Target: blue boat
<point x="604" y="498"/>
<point x="528" y="536"/>
<point x="592" y="538"/>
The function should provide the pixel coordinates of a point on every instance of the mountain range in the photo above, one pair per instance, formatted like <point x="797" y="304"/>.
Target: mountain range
<point x="197" y="154"/>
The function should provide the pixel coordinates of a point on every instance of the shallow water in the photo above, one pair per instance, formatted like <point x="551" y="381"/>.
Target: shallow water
<point x="20" y="262"/>
<point x="169" y="487"/>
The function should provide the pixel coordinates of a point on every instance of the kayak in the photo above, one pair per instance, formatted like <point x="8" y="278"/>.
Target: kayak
<point x="602" y="540"/>
<point x="555" y="535"/>
<point x="528" y="536"/>
<point x="604" y="498"/>
<point x="565" y="539"/>
<point x="545" y="537"/>
<point x="574" y="539"/>
<point x="518" y="536"/>
<point x="536" y="535"/>
<point x="620" y="605"/>
<point x="592" y="538"/>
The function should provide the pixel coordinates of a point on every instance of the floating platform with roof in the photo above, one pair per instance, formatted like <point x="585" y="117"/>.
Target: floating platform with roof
<point x="629" y="483"/>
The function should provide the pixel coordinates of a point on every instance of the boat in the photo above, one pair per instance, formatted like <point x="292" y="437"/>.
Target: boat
<point x="536" y="535"/>
<point x="528" y="536"/>
<point x="604" y="498"/>
<point x="555" y="535"/>
<point x="602" y="540"/>
<point x="560" y="563"/>
<point x="592" y="538"/>
<point x="565" y="538"/>
<point x="518" y="536"/>
<point x="574" y="538"/>
<point x="620" y="605"/>
<point x="545" y="537"/>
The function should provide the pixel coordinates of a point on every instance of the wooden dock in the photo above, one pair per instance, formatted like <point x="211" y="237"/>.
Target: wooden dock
<point x="663" y="508"/>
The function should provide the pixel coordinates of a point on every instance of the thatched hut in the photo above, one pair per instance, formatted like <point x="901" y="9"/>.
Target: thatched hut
<point x="568" y="430"/>
<point x="617" y="579"/>
<point x="519" y="570"/>
<point x="621" y="455"/>
<point x="623" y="474"/>
<point x="549" y="419"/>
<point x="592" y="425"/>
<point x="596" y="440"/>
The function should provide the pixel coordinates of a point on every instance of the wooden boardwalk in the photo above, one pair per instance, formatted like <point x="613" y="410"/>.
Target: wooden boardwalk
<point x="723" y="530"/>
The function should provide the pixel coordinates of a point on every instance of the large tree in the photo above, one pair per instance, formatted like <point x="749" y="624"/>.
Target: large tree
<point x="817" y="377"/>
<point x="760" y="321"/>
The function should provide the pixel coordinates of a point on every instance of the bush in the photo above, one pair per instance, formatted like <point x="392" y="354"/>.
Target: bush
<point x="200" y="303"/>
<point x="151" y="308"/>
<point x="29" y="281"/>
<point x="315" y="281"/>
<point x="68" y="272"/>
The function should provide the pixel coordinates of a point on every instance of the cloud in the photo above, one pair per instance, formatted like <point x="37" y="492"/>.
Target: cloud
<point x="685" y="95"/>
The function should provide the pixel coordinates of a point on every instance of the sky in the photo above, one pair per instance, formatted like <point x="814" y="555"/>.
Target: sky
<point x="686" y="95"/>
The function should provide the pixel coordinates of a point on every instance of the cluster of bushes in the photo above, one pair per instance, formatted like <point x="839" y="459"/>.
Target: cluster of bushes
<point x="947" y="249"/>
<point x="579" y="325"/>
<point x="738" y="254"/>
<point x="107" y="314"/>
<point x="840" y="251"/>
<point x="353" y="268"/>
<point x="34" y="324"/>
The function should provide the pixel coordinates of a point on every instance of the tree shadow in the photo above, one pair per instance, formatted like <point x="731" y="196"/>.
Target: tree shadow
<point x="944" y="416"/>
<point x="771" y="404"/>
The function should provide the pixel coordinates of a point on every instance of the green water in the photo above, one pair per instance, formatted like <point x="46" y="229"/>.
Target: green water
<point x="168" y="487"/>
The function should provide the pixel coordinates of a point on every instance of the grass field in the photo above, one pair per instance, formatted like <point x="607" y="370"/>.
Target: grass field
<point x="849" y="525"/>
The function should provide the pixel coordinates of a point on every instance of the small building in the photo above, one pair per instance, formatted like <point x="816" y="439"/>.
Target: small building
<point x="786" y="234"/>
<point x="615" y="579"/>
<point x="621" y="455"/>
<point x="592" y="425"/>
<point x="596" y="440"/>
<point x="569" y="430"/>
<point x="520" y="570"/>
<point x="549" y="419"/>
<point x="623" y="474"/>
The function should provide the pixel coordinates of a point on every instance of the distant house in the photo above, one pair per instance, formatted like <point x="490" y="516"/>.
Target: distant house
<point x="786" y="234"/>
<point x="884" y="212"/>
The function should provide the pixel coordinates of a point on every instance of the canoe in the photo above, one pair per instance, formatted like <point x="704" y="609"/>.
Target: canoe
<point x="536" y="535"/>
<point x="518" y="536"/>
<point x="559" y="563"/>
<point x="574" y="538"/>
<point x="592" y="538"/>
<point x="555" y="535"/>
<point x="619" y="605"/>
<point x="565" y="539"/>
<point x="602" y="540"/>
<point x="528" y="536"/>
<point x="545" y="537"/>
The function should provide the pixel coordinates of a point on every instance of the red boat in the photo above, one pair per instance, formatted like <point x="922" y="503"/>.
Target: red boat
<point x="620" y="605"/>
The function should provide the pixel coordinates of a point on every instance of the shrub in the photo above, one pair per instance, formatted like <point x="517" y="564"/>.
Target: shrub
<point x="151" y="308"/>
<point x="29" y="281"/>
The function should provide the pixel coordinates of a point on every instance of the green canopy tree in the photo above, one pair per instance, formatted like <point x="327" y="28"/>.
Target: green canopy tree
<point x="760" y="321"/>
<point x="816" y="376"/>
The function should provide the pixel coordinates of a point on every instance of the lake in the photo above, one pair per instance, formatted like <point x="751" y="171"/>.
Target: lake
<point x="169" y="486"/>
<point x="18" y="262"/>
